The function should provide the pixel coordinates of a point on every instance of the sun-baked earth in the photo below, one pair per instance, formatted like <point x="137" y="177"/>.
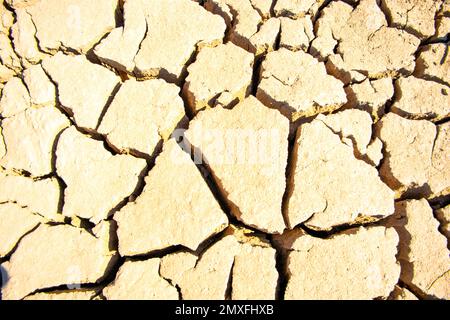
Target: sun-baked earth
<point x="175" y="149"/>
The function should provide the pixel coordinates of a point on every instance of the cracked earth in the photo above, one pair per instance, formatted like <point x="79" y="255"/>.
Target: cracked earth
<point x="174" y="149"/>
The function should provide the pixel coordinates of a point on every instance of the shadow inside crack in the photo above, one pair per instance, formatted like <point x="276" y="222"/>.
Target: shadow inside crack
<point x="3" y="279"/>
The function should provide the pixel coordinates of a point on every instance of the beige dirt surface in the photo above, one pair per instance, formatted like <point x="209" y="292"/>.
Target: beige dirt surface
<point x="224" y="149"/>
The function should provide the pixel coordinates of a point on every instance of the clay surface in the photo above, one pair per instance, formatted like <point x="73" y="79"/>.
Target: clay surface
<point x="224" y="149"/>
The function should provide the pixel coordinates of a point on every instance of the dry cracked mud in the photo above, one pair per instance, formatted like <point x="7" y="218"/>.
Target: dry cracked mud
<point x="175" y="149"/>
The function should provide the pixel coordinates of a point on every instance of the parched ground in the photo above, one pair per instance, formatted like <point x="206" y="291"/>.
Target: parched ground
<point x="175" y="149"/>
